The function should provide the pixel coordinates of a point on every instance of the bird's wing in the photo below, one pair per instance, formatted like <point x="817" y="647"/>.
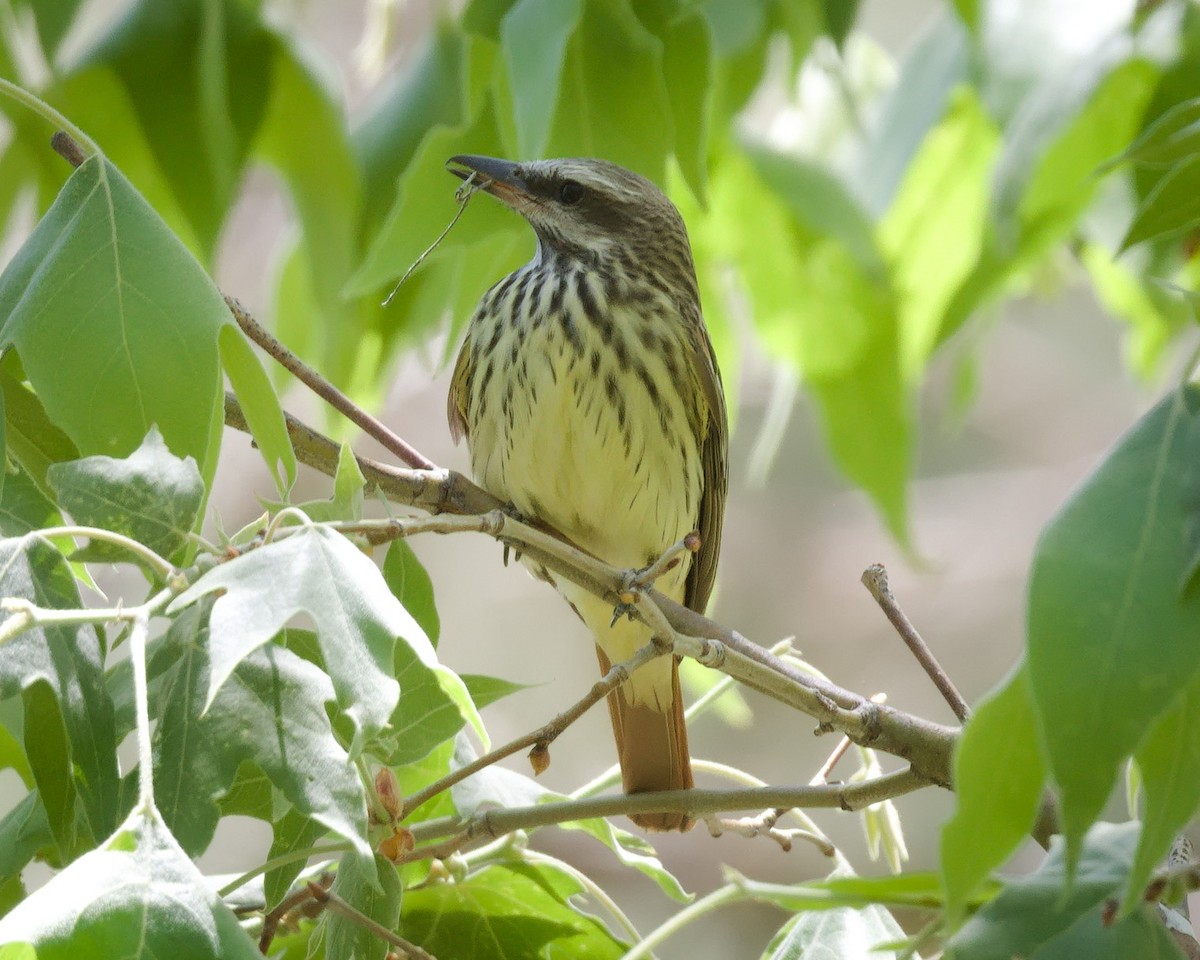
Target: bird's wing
<point x="460" y="393"/>
<point x="714" y="460"/>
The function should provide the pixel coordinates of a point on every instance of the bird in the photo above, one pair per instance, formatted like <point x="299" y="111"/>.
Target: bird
<point x="590" y="397"/>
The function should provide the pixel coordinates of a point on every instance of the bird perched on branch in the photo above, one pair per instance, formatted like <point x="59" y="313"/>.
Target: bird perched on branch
<point x="590" y="398"/>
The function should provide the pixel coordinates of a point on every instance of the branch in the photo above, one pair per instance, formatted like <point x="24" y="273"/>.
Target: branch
<point x="697" y="803"/>
<point x="372" y="426"/>
<point x="925" y="745"/>
<point x="875" y="579"/>
<point x="541" y="738"/>
<point x="335" y="904"/>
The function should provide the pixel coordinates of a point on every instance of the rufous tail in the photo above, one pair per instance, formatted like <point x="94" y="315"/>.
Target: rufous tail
<point x="652" y="747"/>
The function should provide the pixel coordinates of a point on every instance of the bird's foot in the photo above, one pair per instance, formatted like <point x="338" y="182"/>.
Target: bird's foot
<point x="510" y="510"/>
<point x="633" y="582"/>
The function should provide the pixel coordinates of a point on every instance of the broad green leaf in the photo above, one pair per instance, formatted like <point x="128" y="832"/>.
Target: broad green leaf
<point x="67" y="660"/>
<point x="378" y="899"/>
<point x="150" y="496"/>
<point x="1170" y="208"/>
<point x="410" y="584"/>
<point x="425" y="717"/>
<point x="795" y="279"/>
<point x="317" y="572"/>
<point x="53" y="20"/>
<point x="534" y="36"/>
<point x="200" y="125"/>
<point x="1032" y="910"/>
<point x="260" y="404"/>
<point x="49" y="749"/>
<point x="271" y="711"/>
<point x="1141" y="935"/>
<point x="612" y="62"/>
<point x="998" y="781"/>
<point x="17" y="951"/>
<point x="1168" y="761"/>
<point x="102" y="273"/>
<point x="137" y="897"/>
<point x="934" y="229"/>
<point x="1110" y="583"/>
<point x="504" y="913"/>
<point x="843" y="890"/>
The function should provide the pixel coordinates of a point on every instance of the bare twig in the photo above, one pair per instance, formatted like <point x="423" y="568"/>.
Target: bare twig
<point x="875" y="579"/>
<point x="463" y="195"/>
<point x="541" y="738"/>
<point x="698" y="803"/>
<point x="763" y="825"/>
<point x="374" y="427"/>
<point x="292" y="901"/>
<point x="335" y="904"/>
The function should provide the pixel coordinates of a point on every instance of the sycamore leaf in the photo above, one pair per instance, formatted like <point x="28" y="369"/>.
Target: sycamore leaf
<point x="320" y="574"/>
<point x="138" y="897"/>
<point x="150" y="496"/>
<point x="60" y="668"/>
<point x="271" y="712"/>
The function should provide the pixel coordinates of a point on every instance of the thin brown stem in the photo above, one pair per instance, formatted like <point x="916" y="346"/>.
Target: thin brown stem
<point x="289" y="903"/>
<point x="541" y="738"/>
<point x="875" y="579"/>
<point x="335" y="904"/>
<point x="372" y="426"/>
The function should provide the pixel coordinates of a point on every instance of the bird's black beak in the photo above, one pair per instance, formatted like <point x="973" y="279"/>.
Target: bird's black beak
<point x="497" y="177"/>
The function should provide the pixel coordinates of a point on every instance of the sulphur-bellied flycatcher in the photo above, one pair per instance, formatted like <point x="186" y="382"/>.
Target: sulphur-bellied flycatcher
<point x="590" y="398"/>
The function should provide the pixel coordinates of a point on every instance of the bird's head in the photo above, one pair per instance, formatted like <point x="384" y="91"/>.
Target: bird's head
<point x="587" y="210"/>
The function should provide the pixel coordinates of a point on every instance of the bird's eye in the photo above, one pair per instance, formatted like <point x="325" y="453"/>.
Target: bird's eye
<point x="570" y="192"/>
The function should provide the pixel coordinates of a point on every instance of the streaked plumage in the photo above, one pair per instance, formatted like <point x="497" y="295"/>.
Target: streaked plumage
<point x="591" y="400"/>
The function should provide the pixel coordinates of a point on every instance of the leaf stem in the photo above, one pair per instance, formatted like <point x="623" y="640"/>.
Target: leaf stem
<point x="48" y="113"/>
<point x="141" y="699"/>
<point x="161" y="566"/>
<point x="721" y="897"/>
<point x="595" y="891"/>
<point x="319" y="850"/>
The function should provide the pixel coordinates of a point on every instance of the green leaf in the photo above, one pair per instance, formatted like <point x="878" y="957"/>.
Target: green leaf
<point x="1110" y="582"/>
<point x="139" y="896"/>
<point x="292" y="832"/>
<point x="1169" y="763"/>
<point x="67" y="660"/>
<point x="200" y="125"/>
<point x="1172" y="138"/>
<point x="31" y="437"/>
<point x="260" y="405"/>
<point x="347" y="501"/>
<point x="24" y="508"/>
<point x="613" y="61"/>
<point x="270" y="712"/>
<point x="795" y="279"/>
<point x="49" y="751"/>
<point x="842" y="889"/>
<point x="1141" y="935"/>
<point x="1170" y="208"/>
<point x="410" y="584"/>
<point x="839" y="932"/>
<point x="487" y="690"/>
<point x="320" y="573"/>
<point x="1035" y="909"/>
<point x="534" y="36"/>
<point x="933" y="232"/>
<point x="688" y="68"/>
<point x="53" y="20"/>
<point x="102" y="273"/>
<point x="505" y="913"/>
<point x="998" y="778"/>
<point x="150" y="496"/>
<point x="24" y="834"/>
<point x="378" y="899"/>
